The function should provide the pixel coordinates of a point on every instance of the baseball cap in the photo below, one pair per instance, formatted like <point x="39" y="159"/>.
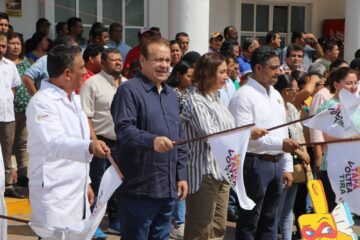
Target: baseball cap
<point x="216" y="35"/>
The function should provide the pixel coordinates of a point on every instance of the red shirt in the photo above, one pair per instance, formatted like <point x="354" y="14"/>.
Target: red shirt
<point x="85" y="77"/>
<point x="132" y="55"/>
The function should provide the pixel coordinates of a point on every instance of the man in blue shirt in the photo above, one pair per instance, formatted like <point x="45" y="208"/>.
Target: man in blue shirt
<point x="146" y="117"/>
<point x="115" y="41"/>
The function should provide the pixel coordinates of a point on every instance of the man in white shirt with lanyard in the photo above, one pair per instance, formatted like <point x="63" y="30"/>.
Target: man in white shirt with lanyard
<point x="265" y="161"/>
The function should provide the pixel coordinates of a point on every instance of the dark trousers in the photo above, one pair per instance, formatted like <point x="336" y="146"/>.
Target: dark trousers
<point x="145" y="218"/>
<point x="263" y="184"/>
<point x="98" y="167"/>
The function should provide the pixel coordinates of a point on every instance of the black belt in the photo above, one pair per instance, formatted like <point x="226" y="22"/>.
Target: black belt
<point x="266" y="157"/>
<point x="106" y="140"/>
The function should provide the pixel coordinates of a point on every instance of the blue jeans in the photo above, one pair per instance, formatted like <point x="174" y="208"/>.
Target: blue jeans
<point x="145" y="218"/>
<point x="179" y="212"/>
<point x="263" y="184"/>
<point x="233" y="202"/>
<point x="284" y="216"/>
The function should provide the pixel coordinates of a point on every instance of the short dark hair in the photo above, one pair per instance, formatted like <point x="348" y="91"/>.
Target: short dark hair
<point x="329" y="45"/>
<point x="105" y="53"/>
<point x="192" y="57"/>
<point x="227" y="59"/>
<point x="65" y="40"/>
<point x="42" y="21"/>
<point x="204" y="75"/>
<point x="92" y="51"/>
<point x="270" y="36"/>
<point x="227" y="47"/>
<point x="284" y="81"/>
<point x="179" y="68"/>
<point x="293" y="47"/>
<point x="174" y="42"/>
<point x="338" y="75"/>
<point x="355" y="64"/>
<point x="97" y="32"/>
<point x="296" y="35"/>
<point x="144" y="49"/>
<point x="357" y="53"/>
<point x="4" y="16"/>
<point x="59" y="26"/>
<point x="336" y="64"/>
<point x="227" y="30"/>
<point x="12" y="35"/>
<point x="33" y="42"/>
<point x="71" y="22"/>
<point x="114" y="25"/>
<point x="261" y="56"/>
<point x="60" y="58"/>
<point x="247" y="43"/>
<point x="181" y="34"/>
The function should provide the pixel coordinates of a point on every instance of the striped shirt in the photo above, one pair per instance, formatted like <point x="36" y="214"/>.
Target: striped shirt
<point x="203" y="115"/>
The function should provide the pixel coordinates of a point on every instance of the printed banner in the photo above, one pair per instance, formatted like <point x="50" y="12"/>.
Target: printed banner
<point x="229" y="151"/>
<point x="338" y="121"/>
<point x="86" y="228"/>
<point x="344" y="173"/>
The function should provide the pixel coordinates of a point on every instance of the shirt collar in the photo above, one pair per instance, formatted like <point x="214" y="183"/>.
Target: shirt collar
<point x="111" y="42"/>
<point x="107" y="76"/>
<point x="4" y="60"/>
<point x="255" y="84"/>
<point x="55" y="92"/>
<point x="149" y="85"/>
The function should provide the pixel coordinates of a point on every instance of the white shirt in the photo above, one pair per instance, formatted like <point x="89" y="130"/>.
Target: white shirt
<point x="58" y="146"/>
<point x="227" y="92"/>
<point x="252" y="104"/>
<point x="96" y="96"/>
<point x="9" y="78"/>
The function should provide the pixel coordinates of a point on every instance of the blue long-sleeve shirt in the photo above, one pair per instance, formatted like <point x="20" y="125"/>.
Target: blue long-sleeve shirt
<point x="140" y="114"/>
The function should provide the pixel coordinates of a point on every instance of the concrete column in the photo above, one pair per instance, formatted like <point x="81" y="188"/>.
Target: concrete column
<point x="352" y="29"/>
<point x="192" y="17"/>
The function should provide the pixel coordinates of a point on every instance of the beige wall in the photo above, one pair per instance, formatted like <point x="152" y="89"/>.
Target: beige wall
<point x="327" y="9"/>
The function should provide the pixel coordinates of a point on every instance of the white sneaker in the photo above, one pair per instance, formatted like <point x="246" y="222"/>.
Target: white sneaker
<point x="177" y="232"/>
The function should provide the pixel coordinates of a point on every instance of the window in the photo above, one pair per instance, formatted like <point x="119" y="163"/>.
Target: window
<point x="259" y="18"/>
<point x="131" y="13"/>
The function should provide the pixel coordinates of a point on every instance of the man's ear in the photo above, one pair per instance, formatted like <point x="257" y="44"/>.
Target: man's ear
<point x="258" y="67"/>
<point x="142" y="60"/>
<point x="67" y="73"/>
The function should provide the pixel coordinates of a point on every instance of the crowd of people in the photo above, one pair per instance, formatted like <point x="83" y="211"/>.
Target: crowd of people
<point x="67" y="103"/>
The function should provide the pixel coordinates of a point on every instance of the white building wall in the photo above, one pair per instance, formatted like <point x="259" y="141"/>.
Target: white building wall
<point x="26" y="23"/>
<point x="222" y="13"/>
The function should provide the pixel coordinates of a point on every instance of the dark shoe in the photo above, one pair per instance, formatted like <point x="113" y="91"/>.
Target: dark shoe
<point x="22" y="181"/>
<point x="11" y="192"/>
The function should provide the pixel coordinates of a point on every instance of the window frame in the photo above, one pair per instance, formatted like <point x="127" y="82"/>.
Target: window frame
<point x="285" y="35"/>
<point x="50" y="15"/>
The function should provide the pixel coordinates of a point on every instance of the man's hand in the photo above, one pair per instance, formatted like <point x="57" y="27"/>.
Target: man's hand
<point x="91" y="195"/>
<point x="302" y="155"/>
<point x="99" y="148"/>
<point x="257" y="133"/>
<point x="163" y="144"/>
<point x="182" y="189"/>
<point x="288" y="179"/>
<point x="290" y="145"/>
